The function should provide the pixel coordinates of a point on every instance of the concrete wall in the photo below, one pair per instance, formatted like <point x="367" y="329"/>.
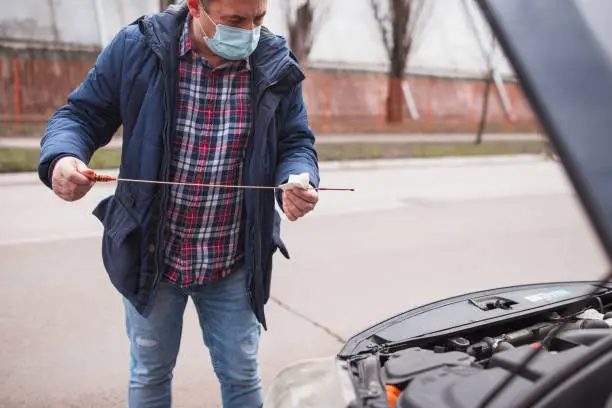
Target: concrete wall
<point x="74" y="22"/>
<point x="348" y="38"/>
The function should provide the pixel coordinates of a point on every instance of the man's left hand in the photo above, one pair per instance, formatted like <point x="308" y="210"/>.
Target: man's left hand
<point x="297" y="202"/>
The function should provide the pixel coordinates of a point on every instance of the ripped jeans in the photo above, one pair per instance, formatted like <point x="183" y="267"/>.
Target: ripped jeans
<point x="230" y="331"/>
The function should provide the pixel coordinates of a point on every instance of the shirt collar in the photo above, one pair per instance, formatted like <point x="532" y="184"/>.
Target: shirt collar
<point x="186" y="48"/>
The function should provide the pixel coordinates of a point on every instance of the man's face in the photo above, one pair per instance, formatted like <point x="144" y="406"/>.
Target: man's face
<point x="246" y="14"/>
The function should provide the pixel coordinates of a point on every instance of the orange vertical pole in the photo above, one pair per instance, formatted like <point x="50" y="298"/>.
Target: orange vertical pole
<point x="429" y="104"/>
<point x="326" y="104"/>
<point x="38" y="92"/>
<point x="28" y="83"/>
<point x="63" y="77"/>
<point x="2" y="87"/>
<point x="474" y="90"/>
<point x="16" y="89"/>
<point x="47" y="81"/>
<point x="382" y="90"/>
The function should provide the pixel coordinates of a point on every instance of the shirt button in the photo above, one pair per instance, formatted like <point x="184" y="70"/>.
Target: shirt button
<point x="151" y="248"/>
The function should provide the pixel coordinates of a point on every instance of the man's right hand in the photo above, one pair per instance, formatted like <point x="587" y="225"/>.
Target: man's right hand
<point x="69" y="179"/>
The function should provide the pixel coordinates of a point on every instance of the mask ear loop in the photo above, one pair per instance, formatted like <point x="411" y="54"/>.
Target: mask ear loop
<point x="200" y="24"/>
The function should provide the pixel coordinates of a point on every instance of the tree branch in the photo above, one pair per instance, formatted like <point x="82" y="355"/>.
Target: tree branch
<point x="383" y="22"/>
<point x="321" y="14"/>
<point x="303" y="23"/>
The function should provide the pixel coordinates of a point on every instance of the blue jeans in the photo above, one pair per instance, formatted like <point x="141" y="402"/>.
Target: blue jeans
<point x="230" y="330"/>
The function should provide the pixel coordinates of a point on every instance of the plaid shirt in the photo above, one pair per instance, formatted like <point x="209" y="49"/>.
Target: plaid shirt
<point x="205" y="226"/>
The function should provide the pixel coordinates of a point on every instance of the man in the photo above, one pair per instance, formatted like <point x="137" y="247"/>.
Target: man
<point x="205" y="95"/>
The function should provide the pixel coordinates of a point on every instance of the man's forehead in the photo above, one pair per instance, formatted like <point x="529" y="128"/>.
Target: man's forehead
<point x="243" y="7"/>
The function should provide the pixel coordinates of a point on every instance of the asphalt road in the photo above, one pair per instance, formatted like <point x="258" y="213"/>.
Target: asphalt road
<point x="413" y="232"/>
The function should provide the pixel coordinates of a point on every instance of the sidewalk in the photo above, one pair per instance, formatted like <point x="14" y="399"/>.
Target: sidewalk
<point x="34" y="142"/>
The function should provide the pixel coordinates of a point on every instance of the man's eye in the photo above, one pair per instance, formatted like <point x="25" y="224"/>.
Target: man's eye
<point x="236" y="21"/>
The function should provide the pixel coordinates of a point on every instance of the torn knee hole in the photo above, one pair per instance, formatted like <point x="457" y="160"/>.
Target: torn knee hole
<point x="145" y="342"/>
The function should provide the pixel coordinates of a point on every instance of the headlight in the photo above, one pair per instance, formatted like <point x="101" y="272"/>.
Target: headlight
<point x="322" y="383"/>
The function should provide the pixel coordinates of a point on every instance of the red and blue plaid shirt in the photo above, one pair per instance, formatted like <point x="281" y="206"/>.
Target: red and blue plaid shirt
<point x="205" y="226"/>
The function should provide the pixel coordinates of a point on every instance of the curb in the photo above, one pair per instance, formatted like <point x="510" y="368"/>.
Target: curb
<point x="440" y="162"/>
<point x="27" y="178"/>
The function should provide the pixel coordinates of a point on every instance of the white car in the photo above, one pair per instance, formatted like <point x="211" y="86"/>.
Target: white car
<point x="546" y="345"/>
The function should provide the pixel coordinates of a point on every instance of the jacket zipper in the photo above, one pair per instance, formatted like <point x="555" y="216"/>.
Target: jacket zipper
<point x="162" y="217"/>
<point x="250" y="146"/>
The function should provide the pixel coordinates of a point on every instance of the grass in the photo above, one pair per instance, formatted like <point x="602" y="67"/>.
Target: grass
<point x="26" y="159"/>
<point x="358" y="151"/>
<point x="370" y="126"/>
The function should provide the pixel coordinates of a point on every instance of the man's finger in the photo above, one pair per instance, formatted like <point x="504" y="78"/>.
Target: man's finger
<point x="81" y="174"/>
<point x="89" y="173"/>
<point x="290" y="215"/>
<point x="78" y="178"/>
<point x="58" y="184"/>
<point x="65" y="196"/>
<point x="81" y="190"/>
<point x="310" y="196"/>
<point x="290" y="211"/>
<point x="300" y="204"/>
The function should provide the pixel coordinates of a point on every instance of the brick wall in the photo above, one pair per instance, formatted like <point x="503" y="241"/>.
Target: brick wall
<point x="33" y="84"/>
<point x="441" y="103"/>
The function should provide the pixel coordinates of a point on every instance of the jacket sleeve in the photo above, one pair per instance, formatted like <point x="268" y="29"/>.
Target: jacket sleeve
<point x="296" y="151"/>
<point x="91" y="116"/>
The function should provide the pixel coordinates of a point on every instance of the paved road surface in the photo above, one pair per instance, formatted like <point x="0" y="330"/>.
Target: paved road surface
<point x="411" y="233"/>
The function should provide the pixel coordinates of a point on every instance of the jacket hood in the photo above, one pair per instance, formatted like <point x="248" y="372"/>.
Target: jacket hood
<point x="272" y="61"/>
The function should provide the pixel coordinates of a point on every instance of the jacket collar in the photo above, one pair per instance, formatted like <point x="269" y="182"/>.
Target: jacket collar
<point x="272" y="62"/>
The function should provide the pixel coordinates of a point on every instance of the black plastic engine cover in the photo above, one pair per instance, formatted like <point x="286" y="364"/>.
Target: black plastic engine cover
<point x="404" y="365"/>
<point x="584" y="337"/>
<point x="460" y="387"/>
<point x="545" y="363"/>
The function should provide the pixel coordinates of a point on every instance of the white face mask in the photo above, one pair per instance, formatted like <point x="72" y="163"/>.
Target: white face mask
<point x="232" y="43"/>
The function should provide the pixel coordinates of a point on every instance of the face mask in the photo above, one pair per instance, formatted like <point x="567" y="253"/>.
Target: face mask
<point x="232" y="43"/>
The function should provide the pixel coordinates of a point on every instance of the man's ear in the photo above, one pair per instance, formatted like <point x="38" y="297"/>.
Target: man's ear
<point x="194" y="8"/>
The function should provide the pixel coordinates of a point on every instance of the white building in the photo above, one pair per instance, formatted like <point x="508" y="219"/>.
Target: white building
<point x="348" y="37"/>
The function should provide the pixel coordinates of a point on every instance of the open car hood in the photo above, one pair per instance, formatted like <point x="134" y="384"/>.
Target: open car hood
<point x="454" y="315"/>
<point x="495" y="348"/>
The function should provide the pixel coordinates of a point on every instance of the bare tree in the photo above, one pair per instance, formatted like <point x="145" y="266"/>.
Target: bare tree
<point x="303" y="19"/>
<point x="487" y="93"/>
<point x="399" y="22"/>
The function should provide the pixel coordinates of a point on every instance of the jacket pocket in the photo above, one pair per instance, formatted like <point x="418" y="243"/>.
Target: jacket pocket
<point x="121" y="243"/>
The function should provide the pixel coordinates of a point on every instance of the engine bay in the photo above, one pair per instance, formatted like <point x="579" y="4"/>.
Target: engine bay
<point x="458" y="371"/>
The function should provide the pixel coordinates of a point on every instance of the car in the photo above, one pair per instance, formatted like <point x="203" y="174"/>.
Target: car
<point x="543" y="345"/>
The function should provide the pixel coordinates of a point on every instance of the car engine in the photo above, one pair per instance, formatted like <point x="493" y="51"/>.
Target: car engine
<point x="459" y="371"/>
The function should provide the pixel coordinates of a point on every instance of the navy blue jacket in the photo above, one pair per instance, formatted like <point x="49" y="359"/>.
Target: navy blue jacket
<point x="134" y="84"/>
